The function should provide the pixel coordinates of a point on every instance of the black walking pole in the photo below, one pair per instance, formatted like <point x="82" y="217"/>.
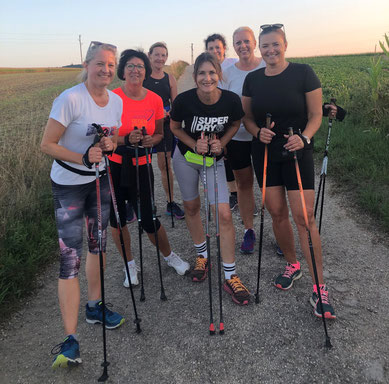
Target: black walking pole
<point x="105" y="363"/>
<point x="219" y="268"/>
<point x="120" y="231"/>
<point x="328" y="341"/>
<point x="139" y="215"/>
<point x="268" y="120"/>
<point x="208" y="242"/>
<point x="323" y="172"/>
<point x="168" y="181"/>
<point x="153" y="208"/>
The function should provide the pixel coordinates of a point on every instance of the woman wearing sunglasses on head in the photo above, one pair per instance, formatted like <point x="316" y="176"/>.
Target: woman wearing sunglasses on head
<point x="69" y="139"/>
<point x="292" y="94"/>
<point x="141" y="108"/>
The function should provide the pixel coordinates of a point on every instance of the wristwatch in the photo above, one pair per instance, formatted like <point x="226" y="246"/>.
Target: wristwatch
<point x="307" y="139"/>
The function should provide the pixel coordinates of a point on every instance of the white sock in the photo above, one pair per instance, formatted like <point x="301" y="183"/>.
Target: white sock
<point x="129" y="263"/>
<point x="229" y="270"/>
<point x="167" y="258"/>
<point x="201" y="250"/>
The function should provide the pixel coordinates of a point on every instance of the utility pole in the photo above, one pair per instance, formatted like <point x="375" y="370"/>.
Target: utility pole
<point x="79" y="39"/>
<point x="191" y="47"/>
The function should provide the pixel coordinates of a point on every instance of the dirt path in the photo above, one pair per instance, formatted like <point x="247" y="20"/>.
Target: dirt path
<point x="277" y="341"/>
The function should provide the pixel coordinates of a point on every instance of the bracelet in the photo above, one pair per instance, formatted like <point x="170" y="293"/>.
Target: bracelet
<point x="85" y="158"/>
<point x="195" y="149"/>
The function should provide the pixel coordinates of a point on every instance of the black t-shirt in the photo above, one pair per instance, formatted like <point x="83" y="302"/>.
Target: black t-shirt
<point x="199" y="117"/>
<point x="283" y="96"/>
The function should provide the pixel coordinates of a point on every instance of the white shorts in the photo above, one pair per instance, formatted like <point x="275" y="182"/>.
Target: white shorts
<point x="188" y="175"/>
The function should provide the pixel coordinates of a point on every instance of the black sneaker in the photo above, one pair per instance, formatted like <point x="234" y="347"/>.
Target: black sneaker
<point x="285" y="280"/>
<point x="233" y="202"/>
<point x="329" y="312"/>
<point x="175" y="208"/>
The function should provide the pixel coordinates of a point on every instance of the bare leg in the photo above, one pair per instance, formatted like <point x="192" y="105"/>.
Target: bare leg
<point x="69" y="302"/>
<point x="244" y="182"/>
<point x="162" y="168"/>
<point x="92" y="269"/>
<point x="126" y="239"/>
<point x="297" y="212"/>
<point x="193" y="220"/>
<point x="163" y="241"/>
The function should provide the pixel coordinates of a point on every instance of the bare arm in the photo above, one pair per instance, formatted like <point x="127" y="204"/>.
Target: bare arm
<point x="173" y="87"/>
<point x="175" y="127"/>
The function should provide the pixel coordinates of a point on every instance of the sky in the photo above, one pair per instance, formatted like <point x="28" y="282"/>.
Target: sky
<point x="43" y="33"/>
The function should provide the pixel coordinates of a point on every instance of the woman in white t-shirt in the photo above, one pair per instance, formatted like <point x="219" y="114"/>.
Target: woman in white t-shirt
<point x="69" y="139"/>
<point x="239" y="148"/>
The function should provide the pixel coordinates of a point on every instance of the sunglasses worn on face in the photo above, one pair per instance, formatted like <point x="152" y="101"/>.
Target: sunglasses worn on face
<point x="132" y="67"/>
<point x="273" y="26"/>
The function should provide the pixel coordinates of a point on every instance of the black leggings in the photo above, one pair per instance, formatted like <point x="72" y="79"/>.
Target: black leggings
<point x="129" y="193"/>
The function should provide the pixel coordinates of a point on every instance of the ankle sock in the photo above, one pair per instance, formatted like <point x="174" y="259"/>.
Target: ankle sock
<point x="167" y="257"/>
<point x="74" y="336"/>
<point x="132" y="262"/>
<point x="229" y="270"/>
<point x="93" y="303"/>
<point x="201" y="250"/>
<point x="248" y="229"/>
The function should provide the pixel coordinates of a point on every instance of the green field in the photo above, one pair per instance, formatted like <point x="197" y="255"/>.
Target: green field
<point x="359" y="157"/>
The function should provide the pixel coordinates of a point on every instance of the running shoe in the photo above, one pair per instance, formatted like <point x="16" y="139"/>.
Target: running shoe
<point x="199" y="272"/>
<point x="175" y="261"/>
<point x="133" y="269"/>
<point x="95" y="315"/>
<point x="279" y="250"/>
<point x="175" y="208"/>
<point x="130" y="215"/>
<point x="285" y="280"/>
<point x="239" y="293"/>
<point x="248" y="242"/>
<point x="233" y="202"/>
<point x="329" y="312"/>
<point x="68" y="353"/>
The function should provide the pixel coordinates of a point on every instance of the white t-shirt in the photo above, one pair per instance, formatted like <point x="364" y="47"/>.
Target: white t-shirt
<point x="227" y="62"/>
<point x="76" y="110"/>
<point x="233" y="79"/>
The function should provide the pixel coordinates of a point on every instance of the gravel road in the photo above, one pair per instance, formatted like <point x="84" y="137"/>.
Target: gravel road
<point x="277" y="341"/>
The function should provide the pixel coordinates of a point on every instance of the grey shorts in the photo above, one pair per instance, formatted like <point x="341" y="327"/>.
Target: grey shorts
<point x="188" y="175"/>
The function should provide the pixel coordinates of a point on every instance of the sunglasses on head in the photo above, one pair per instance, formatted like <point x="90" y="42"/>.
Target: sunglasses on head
<point x="272" y="26"/>
<point x="98" y="43"/>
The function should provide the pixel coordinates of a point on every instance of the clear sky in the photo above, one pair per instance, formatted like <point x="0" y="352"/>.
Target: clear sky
<point x="39" y="33"/>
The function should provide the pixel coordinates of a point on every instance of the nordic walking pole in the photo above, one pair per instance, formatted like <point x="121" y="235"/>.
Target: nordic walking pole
<point x="219" y="268"/>
<point x="168" y="181"/>
<point x="323" y="172"/>
<point x="207" y="235"/>
<point x="119" y="228"/>
<point x="139" y="215"/>
<point x="153" y="208"/>
<point x="120" y="231"/>
<point x="328" y="341"/>
<point x="268" y="121"/>
<point x="105" y="363"/>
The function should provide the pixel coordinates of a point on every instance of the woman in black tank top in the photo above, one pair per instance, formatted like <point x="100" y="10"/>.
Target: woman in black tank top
<point x="164" y="85"/>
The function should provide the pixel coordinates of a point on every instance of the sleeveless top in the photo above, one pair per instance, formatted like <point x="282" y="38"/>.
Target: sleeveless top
<point x="160" y="86"/>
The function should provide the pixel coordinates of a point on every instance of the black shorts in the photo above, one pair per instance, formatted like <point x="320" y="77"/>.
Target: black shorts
<point x="229" y="174"/>
<point x="284" y="173"/>
<point x="167" y="138"/>
<point x="239" y="154"/>
<point x="130" y="193"/>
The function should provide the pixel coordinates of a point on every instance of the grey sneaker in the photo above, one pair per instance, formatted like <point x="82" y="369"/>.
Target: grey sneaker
<point x="133" y="269"/>
<point x="178" y="264"/>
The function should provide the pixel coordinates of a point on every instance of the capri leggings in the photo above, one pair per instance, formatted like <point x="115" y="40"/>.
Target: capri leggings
<point x="129" y="193"/>
<point x="71" y="204"/>
<point x="188" y="175"/>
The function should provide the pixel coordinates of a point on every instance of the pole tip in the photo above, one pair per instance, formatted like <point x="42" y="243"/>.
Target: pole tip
<point x="328" y="343"/>
<point x="256" y="298"/>
<point x="221" y="328"/>
<point x="163" y="296"/>
<point x="211" y="329"/>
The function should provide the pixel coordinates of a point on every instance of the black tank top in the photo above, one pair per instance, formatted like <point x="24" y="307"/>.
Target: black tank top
<point x="161" y="87"/>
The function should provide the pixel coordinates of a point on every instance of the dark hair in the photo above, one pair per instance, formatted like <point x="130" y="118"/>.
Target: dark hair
<point x="215" y="36"/>
<point x="207" y="57"/>
<point x="129" y="54"/>
<point x="266" y="31"/>
<point x="159" y="44"/>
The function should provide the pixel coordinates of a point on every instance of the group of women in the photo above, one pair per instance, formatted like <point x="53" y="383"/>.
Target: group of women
<point x="222" y="118"/>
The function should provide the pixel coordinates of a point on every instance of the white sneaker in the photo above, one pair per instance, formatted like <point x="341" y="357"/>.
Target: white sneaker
<point x="133" y="269"/>
<point x="178" y="264"/>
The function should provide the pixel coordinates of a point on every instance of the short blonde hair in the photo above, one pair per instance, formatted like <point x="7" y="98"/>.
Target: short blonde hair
<point x="243" y="29"/>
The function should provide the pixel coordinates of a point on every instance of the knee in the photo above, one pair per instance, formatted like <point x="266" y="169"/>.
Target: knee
<point x="278" y="216"/>
<point x="191" y="209"/>
<point x="244" y="184"/>
<point x="148" y="225"/>
<point x="225" y="217"/>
